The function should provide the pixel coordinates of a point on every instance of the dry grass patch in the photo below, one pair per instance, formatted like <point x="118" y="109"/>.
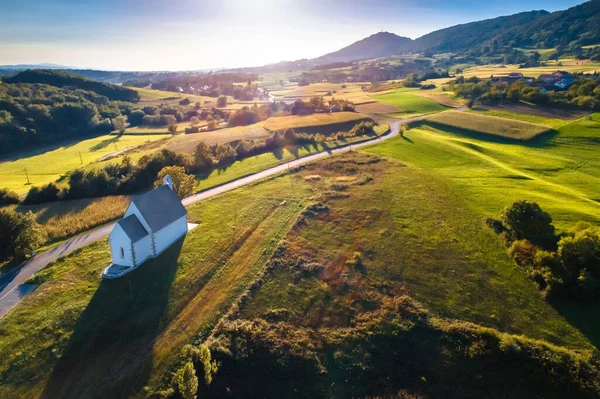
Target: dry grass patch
<point x="301" y="123"/>
<point x="66" y="218"/>
<point x="377" y="108"/>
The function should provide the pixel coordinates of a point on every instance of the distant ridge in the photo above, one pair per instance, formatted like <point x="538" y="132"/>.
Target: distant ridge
<point x="35" y="66"/>
<point x="380" y="44"/>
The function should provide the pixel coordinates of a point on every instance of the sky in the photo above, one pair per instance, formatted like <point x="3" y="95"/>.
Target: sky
<point x="152" y="35"/>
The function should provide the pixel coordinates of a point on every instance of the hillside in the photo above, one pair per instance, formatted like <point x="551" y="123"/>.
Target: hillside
<point x="380" y="44"/>
<point x="464" y="37"/>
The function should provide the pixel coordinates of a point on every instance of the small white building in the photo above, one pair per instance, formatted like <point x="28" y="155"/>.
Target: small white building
<point x="151" y="224"/>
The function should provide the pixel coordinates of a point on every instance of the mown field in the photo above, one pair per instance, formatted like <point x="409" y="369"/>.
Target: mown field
<point x="547" y="117"/>
<point x="477" y="124"/>
<point x="47" y="165"/>
<point x="410" y="104"/>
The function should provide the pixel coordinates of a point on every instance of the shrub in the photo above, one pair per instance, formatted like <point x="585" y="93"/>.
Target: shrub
<point x="186" y="381"/>
<point x="8" y="197"/>
<point x="172" y="128"/>
<point x="526" y="220"/>
<point x="225" y="154"/>
<point x="19" y="234"/>
<point x="222" y="101"/>
<point x="194" y="120"/>
<point x="48" y="193"/>
<point x="192" y="129"/>
<point x="203" y="158"/>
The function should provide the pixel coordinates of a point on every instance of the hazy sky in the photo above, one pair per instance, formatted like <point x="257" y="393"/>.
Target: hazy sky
<point x="197" y="34"/>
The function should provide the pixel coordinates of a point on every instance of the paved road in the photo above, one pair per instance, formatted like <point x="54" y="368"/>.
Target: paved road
<point x="9" y="283"/>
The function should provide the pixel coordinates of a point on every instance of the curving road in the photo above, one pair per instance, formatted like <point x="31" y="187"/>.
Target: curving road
<point x="12" y="290"/>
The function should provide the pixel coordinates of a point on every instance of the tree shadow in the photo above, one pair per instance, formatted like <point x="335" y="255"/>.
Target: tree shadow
<point x="582" y="315"/>
<point x="110" y="352"/>
<point x="407" y="139"/>
<point x="104" y="143"/>
<point x="278" y="152"/>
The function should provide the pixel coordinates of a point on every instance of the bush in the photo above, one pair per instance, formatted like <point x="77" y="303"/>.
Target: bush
<point x="172" y="128"/>
<point x="526" y="220"/>
<point x="19" y="234"/>
<point x="8" y="197"/>
<point x="203" y="158"/>
<point x="225" y="154"/>
<point x="48" y="193"/>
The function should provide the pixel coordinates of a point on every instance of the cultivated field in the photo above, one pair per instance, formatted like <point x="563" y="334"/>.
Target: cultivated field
<point x="317" y="123"/>
<point x="569" y="65"/>
<point x="551" y="117"/>
<point x="47" y="166"/>
<point x="472" y="123"/>
<point x="410" y="104"/>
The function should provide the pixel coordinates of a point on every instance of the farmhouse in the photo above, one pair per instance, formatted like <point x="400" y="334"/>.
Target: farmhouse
<point x="151" y="224"/>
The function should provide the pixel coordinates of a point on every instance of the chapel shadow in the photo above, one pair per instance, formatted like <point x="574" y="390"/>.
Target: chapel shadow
<point x="110" y="352"/>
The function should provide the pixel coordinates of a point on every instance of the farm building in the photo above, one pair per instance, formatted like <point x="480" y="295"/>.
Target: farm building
<point x="152" y="223"/>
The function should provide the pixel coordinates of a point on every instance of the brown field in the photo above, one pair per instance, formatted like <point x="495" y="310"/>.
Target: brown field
<point x="188" y="142"/>
<point x="488" y="125"/>
<point x="376" y="108"/>
<point x="300" y="123"/>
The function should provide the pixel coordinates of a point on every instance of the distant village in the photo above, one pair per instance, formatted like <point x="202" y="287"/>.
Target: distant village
<point x="559" y="80"/>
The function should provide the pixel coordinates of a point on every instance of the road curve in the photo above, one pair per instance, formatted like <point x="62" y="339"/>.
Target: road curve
<point x="10" y="282"/>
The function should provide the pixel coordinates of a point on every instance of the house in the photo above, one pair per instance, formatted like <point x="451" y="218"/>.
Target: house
<point x="547" y="78"/>
<point x="152" y="223"/>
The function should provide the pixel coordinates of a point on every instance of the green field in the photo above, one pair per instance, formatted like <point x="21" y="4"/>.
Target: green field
<point x="410" y="104"/>
<point x="476" y="124"/>
<point x="562" y="173"/>
<point x="554" y="123"/>
<point x="47" y="166"/>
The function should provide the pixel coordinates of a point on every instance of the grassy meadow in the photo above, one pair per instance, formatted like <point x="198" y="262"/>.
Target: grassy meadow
<point x="477" y="124"/>
<point x="401" y="219"/>
<point x="561" y="172"/>
<point x="50" y="164"/>
<point x="410" y="104"/>
<point x="509" y="113"/>
<point x="569" y="65"/>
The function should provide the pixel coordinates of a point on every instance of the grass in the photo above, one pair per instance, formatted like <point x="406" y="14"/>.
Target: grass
<point x="415" y="235"/>
<point x="55" y="342"/>
<point x="562" y="172"/>
<point x="145" y="129"/>
<point x="76" y="336"/>
<point x="66" y="218"/>
<point x="553" y="123"/>
<point x="472" y="123"/>
<point x="47" y="166"/>
<point x="569" y="65"/>
<point x="264" y="161"/>
<point x="410" y="104"/>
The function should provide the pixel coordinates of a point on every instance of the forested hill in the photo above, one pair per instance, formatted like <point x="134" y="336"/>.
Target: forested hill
<point x="464" y="37"/>
<point x="578" y="25"/>
<point x="64" y="79"/>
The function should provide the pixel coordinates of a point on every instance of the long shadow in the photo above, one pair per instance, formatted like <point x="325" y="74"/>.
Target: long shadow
<point x="104" y="143"/>
<point x="109" y="354"/>
<point x="583" y="316"/>
<point x="278" y="152"/>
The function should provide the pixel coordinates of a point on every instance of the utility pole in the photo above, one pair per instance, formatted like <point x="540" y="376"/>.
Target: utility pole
<point x="26" y="175"/>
